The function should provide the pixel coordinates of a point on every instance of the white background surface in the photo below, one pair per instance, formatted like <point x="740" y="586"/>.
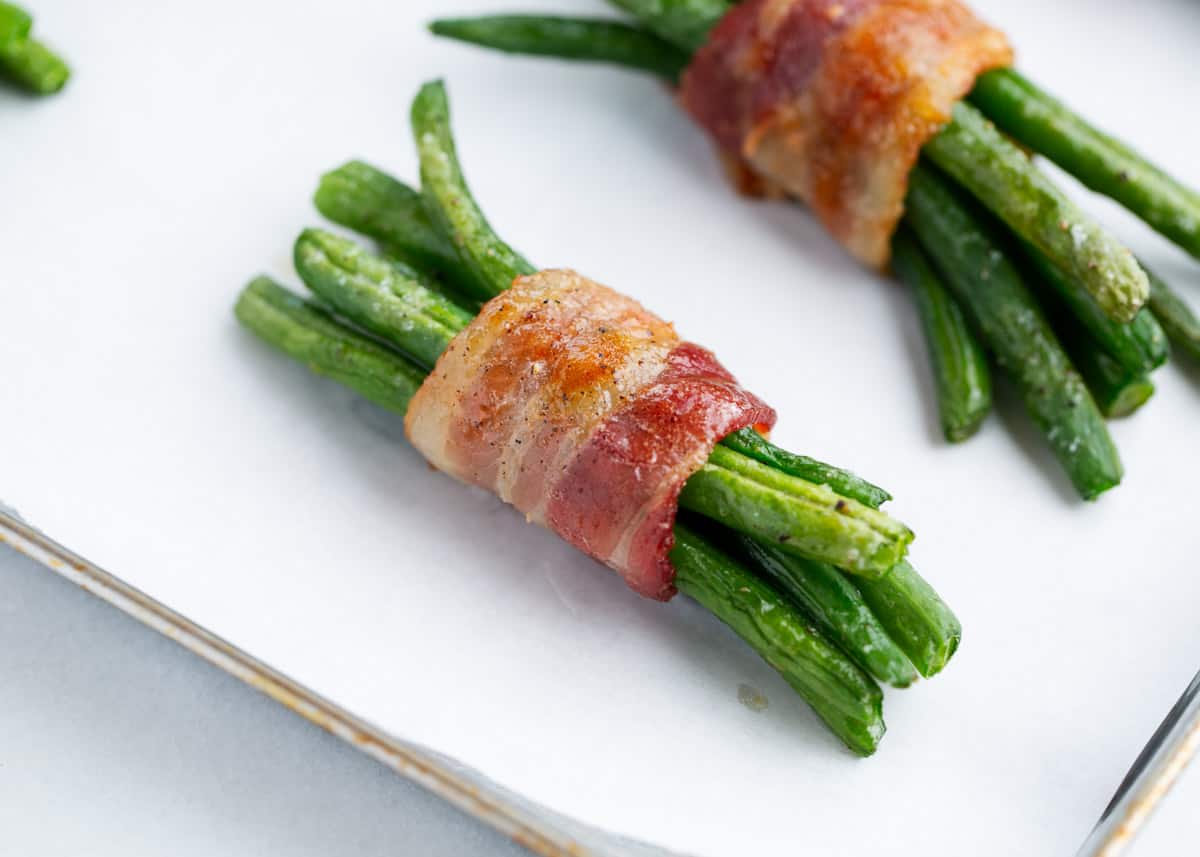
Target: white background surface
<point x="151" y="435"/>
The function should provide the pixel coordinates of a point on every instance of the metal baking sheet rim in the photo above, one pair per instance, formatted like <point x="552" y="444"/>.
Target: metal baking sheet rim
<point x="538" y="829"/>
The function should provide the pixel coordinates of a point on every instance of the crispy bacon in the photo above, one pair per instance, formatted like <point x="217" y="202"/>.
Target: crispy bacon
<point x="584" y="411"/>
<point x="832" y="100"/>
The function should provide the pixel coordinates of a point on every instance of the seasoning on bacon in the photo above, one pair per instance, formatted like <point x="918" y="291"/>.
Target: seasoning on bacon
<point x="584" y="411"/>
<point x="831" y="100"/>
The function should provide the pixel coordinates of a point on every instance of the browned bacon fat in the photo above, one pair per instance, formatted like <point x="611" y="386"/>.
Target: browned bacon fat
<point x="584" y="411"/>
<point x="831" y="100"/>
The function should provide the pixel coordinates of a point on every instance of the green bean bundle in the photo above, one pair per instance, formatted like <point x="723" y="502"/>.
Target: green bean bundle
<point x="1116" y="319"/>
<point x="381" y="324"/>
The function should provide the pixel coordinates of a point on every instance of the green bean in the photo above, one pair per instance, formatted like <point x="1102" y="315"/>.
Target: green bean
<point x="837" y="607"/>
<point x="1175" y="316"/>
<point x="26" y="61"/>
<point x="1050" y="128"/>
<point x="410" y="267"/>
<point x="449" y="202"/>
<point x="799" y="517"/>
<point x="999" y="175"/>
<point x="586" y="39"/>
<point x="309" y="334"/>
<point x="33" y="66"/>
<point x="1118" y="392"/>
<point x="753" y="445"/>
<point x="960" y="370"/>
<point x="15" y="23"/>
<point x="379" y="296"/>
<point x="974" y="265"/>
<point x="369" y="201"/>
<point x="914" y="616"/>
<point x="685" y="23"/>
<point x="845" y="697"/>
<point x="1139" y="346"/>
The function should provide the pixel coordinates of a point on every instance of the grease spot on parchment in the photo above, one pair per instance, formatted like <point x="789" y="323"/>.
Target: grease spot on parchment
<point x="752" y="698"/>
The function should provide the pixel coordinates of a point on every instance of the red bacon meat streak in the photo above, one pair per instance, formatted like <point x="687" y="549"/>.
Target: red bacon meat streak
<point x="586" y="412"/>
<point x="831" y="100"/>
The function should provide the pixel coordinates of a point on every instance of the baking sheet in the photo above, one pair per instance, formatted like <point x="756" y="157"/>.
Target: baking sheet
<point x="144" y="430"/>
<point x="533" y="826"/>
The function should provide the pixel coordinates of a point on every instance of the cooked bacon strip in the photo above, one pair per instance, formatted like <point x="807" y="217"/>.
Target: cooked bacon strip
<point x="832" y="99"/>
<point x="584" y="411"/>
